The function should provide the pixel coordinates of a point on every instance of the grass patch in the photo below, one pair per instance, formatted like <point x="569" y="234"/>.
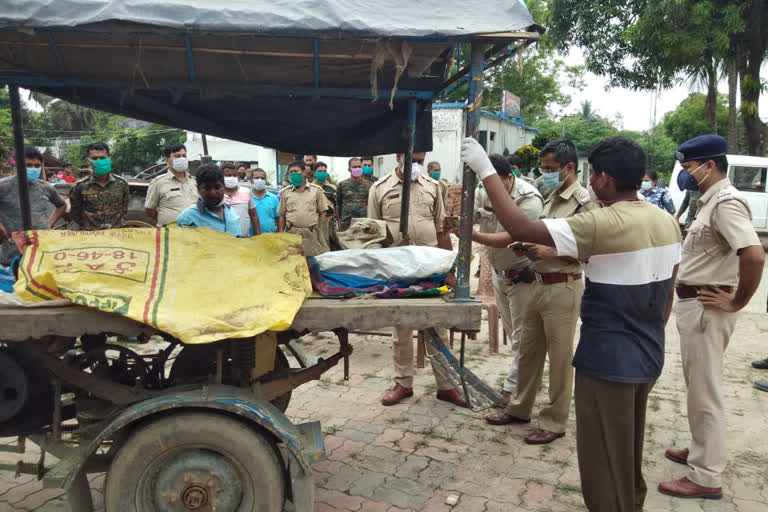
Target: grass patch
<point x="331" y="430"/>
<point x="396" y="421"/>
<point x="420" y="444"/>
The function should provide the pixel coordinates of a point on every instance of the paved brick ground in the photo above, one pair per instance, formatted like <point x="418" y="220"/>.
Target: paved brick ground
<point x="410" y="457"/>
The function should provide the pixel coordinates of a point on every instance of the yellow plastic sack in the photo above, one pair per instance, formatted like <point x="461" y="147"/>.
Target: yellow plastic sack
<point x="198" y="285"/>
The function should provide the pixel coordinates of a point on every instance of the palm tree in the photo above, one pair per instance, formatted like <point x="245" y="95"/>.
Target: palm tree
<point x="705" y="73"/>
<point x="587" y="113"/>
<point x="70" y="117"/>
<point x="42" y="99"/>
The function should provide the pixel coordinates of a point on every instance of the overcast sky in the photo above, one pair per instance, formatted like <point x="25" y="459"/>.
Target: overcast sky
<point x="635" y="107"/>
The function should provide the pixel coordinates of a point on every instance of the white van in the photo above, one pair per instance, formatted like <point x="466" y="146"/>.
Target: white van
<point x="749" y="174"/>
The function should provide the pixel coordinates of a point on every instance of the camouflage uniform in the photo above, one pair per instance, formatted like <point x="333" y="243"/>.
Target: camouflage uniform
<point x="660" y="197"/>
<point x="96" y="207"/>
<point x="352" y="200"/>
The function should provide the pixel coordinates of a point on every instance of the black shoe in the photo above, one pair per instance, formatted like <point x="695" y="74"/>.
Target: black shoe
<point x="762" y="385"/>
<point x="761" y="365"/>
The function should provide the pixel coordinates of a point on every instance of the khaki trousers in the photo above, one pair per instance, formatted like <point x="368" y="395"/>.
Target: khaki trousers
<point x="548" y="329"/>
<point x="512" y="301"/>
<point x="402" y="356"/>
<point x="704" y="336"/>
<point x="610" y="431"/>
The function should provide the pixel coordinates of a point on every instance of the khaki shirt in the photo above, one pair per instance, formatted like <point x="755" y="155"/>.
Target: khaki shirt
<point x="170" y="196"/>
<point x="723" y="226"/>
<point x="302" y="209"/>
<point x="425" y="217"/>
<point x="560" y="205"/>
<point x="530" y="202"/>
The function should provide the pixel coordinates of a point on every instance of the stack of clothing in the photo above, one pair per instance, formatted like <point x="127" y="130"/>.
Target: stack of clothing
<point x="381" y="273"/>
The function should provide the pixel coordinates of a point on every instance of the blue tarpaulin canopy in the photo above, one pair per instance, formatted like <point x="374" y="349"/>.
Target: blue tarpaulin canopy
<point x="313" y="76"/>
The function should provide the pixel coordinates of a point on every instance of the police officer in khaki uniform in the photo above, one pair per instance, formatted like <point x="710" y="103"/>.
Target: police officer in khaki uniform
<point x="553" y="307"/>
<point x="720" y="270"/>
<point x="512" y="275"/>
<point x="174" y="191"/>
<point x="425" y="227"/>
<point x="302" y="210"/>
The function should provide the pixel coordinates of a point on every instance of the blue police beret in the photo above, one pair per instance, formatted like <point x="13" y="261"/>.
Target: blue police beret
<point x="701" y="147"/>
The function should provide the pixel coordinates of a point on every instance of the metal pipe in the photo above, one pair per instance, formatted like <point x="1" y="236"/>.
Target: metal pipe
<point x="190" y="58"/>
<point x="316" y="61"/>
<point x="21" y="167"/>
<point x="205" y="145"/>
<point x="468" y="178"/>
<point x="405" y="196"/>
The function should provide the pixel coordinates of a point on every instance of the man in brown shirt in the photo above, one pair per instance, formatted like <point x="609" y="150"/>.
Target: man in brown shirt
<point x="425" y="227"/>
<point x="174" y="191"/>
<point x="302" y="208"/>
<point x="549" y="325"/>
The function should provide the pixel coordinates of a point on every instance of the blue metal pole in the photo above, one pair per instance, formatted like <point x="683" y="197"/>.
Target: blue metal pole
<point x="407" y="164"/>
<point x="468" y="178"/>
<point x="190" y="59"/>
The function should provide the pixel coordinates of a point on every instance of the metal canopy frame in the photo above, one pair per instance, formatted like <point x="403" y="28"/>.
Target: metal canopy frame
<point x="481" y="58"/>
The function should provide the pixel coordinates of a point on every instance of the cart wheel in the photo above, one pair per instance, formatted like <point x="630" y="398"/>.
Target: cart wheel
<point x="196" y="461"/>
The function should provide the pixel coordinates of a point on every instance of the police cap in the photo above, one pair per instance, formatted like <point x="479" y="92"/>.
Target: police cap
<point x="701" y="148"/>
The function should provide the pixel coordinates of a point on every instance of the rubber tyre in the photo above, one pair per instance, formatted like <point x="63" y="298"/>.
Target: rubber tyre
<point x="254" y="455"/>
<point x="136" y="219"/>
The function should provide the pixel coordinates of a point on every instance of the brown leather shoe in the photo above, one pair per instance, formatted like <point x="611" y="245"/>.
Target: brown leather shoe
<point x="453" y="396"/>
<point x="396" y="394"/>
<point x="685" y="488"/>
<point x="502" y="418"/>
<point x="679" y="455"/>
<point x="540" y="436"/>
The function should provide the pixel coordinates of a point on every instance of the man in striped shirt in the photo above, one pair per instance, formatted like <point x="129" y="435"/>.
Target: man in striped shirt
<point x="631" y="251"/>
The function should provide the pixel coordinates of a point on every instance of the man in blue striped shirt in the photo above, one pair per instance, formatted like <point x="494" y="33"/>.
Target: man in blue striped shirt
<point x="631" y="251"/>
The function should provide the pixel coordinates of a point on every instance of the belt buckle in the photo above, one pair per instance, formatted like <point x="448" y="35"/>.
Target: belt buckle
<point x="539" y="278"/>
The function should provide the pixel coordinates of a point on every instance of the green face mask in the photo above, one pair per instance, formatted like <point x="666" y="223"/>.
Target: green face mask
<point x="321" y="176"/>
<point x="516" y="172"/>
<point x="101" y="167"/>
<point x="435" y="175"/>
<point x="296" y="179"/>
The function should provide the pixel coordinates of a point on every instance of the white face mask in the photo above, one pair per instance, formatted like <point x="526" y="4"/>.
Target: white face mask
<point x="230" y="181"/>
<point x="180" y="164"/>
<point x="259" y="184"/>
<point x="416" y="171"/>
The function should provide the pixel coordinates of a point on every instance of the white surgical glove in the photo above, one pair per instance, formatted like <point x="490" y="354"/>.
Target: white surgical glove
<point x="473" y="154"/>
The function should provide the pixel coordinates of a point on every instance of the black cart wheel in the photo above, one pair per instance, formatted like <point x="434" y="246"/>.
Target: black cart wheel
<point x="196" y="461"/>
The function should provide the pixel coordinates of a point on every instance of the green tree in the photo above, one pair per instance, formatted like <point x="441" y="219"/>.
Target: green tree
<point x="537" y="77"/>
<point x="135" y="150"/>
<point x="585" y="134"/>
<point x="530" y="159"/>
<point x="642" y="44"/>
<point x="690" y="118"/>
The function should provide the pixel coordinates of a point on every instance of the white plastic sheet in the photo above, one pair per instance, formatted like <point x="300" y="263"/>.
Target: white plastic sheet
<point x="394" y="264"/>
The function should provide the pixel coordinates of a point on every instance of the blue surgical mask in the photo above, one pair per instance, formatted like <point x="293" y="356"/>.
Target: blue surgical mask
<point x="367" y="170"/>
<point x="551" y="180"/>
<point x="33" y="174"/>
<point x="645" y="186"/>
<point x="686" y="181"/>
